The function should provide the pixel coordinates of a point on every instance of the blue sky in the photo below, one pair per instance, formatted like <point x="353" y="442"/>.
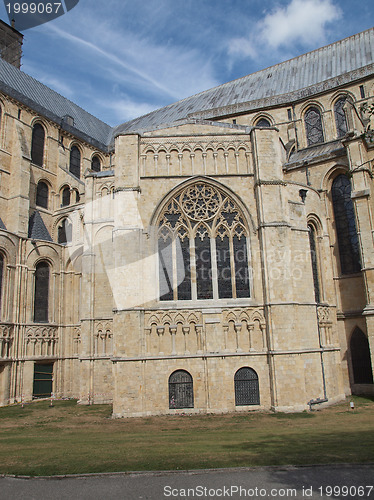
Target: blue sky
<point x="119" y="59"/>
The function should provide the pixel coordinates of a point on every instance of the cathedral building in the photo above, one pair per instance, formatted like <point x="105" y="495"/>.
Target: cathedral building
<point x="215" y="255"/>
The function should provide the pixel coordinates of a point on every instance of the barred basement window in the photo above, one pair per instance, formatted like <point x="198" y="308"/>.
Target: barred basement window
<point x="314" y="259"/>
<point x="313" y="126"/>
<point x="37" y="145"/>
<point x="340" y="118"/>
<point x="246" y="387"/>
<point x="75" y="162"/>
<point x="42" y="195"/>
<point x="41" y="297"/>
<point x="96" y="164"/>
<point x="203" y="246"/>
<point x="360" y="356"/>
<point x="345" y="224"/>
<point x="180" y="390"/>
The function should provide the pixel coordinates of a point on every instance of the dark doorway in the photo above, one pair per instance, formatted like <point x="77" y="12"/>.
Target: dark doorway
<point x="43" y="380"/>
<point x="360" y="356"/>
<point x="246" y="387"/>
<point x="180" y="390"/>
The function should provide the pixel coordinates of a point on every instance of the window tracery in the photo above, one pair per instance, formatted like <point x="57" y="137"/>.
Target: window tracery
<point x="313" y="126"/>
<point x="340" y="117"/>
<point x="202" y="243"/>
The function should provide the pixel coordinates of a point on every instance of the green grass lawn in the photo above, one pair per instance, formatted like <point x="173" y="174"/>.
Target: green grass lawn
<point x="71" y="439"/>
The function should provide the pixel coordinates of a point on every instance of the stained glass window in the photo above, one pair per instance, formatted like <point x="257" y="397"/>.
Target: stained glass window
<point x="180" y="390"/>
<point x="340" y="117"/>
<point x="313" y="126"/>
<point x="75" y="162"/>
<point x="246" y="387"/>
<point x="41" y="296"/>
<point x="42" y="195"/>
<point x="345" y="224"/>
<point x="202" y="231"/>
<point x="37" y="145"/>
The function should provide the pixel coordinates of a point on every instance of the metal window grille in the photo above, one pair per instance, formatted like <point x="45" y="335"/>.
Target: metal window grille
<point x="313" y="125"/>
<point x="42" y="195"/>
<point x="246" y="387"/>
<point x="41" y="297"/>
<point x="360" y="355"/>
<point x="345" y="224"/>
<point x="180" y="390"/>
<point x="75" y="162"/>
<point x="37" y="145"/>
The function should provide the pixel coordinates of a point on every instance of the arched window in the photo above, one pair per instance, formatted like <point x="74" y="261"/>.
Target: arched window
<point x="180" y="390"/>
<point x="313" y="126"/>
<point x="41" y="296"/>
<point x="75" y="162"/>
<point x="340" y="117"/>
<point x="360" y="356"/>
<point x="96" y="164"/>
<point x="37" y="145"/>
<point x="314" y="259"/>
<point x="65" y="197"/>
<point x="263" y="122"/>
<point x="202" y="229"/>
<point x="246" y="387"/>
<point x="42" y="195"/>
<point x="345" y="224"/>
<point x="77" y="197"/>
<point x="64" y="232"/>
<point x="1" y="280"/>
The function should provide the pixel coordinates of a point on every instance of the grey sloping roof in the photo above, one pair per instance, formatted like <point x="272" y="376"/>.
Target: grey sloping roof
<point x="315" y="153"/>
<point x="37" y="229"/>
<point x="306" y="75"/>
<point x="2" y="225"/>
<point x="52" y="105"/>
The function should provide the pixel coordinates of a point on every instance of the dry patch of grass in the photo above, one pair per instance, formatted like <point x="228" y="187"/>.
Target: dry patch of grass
<point x="70" y="439"/>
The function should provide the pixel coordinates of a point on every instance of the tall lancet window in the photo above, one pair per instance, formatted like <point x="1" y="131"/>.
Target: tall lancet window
<point x="340" y="117"/>
<point x="203" y="246"/>
<point x="345" y="224"/>
<point x="313" y="126"/>
<point x="314" y="259"/>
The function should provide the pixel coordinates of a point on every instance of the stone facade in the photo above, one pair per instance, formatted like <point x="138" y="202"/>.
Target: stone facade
<point x="111" y="336"/>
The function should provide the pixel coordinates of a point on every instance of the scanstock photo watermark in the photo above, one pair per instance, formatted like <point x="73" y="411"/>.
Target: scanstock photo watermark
<point x="25" y="15"/>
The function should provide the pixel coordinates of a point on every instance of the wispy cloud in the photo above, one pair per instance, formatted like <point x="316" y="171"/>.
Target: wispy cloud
<point x="303" y="22"/>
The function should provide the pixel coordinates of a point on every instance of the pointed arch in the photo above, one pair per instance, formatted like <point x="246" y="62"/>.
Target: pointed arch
<point x="37" y="144"/>
<point x="360" y="357"/>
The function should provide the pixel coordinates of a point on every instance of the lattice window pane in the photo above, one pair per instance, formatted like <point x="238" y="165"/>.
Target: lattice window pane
<point x="37" y="145"/>
<point x="224" y="268"/>
<point x="345" y="226"/>
<point x="313" y="256"/>
<point x="181" y="390"/>
<point x="41" y="297"/>
<point x="42" y="195"/>
<point x="246" y="387"/>
<point x="165" y="254"/>
<point x="75" y="162"/>
<point x="183" y="269"/>
<point x="203" y="268"/>
<point x="313" y="125"/>
<point x="241" y="267"/>
<point x="340" y="118"/>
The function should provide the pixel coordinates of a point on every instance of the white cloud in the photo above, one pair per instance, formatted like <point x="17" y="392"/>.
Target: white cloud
<point x="301" y="21"/>
<point x="125" y="109"/>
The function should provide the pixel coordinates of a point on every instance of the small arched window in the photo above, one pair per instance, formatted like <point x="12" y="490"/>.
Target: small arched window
<point x="64" y="232"/>
<point x="246" y="387"/>
<point x="37" y="145"/>
<point x="41" y="296"/>
<point x="77" y="197"/>
<point x="313" y="126"/>
<point x="340" y="117"/>
<point x="75" y="162"/>
<point x="345" y="224"/>
<point x="314" y="259"/>
<point x="1" y="279"/>
<point x="180" y="390"/>
<point x="96" y="164"/>
<point x="263" y="122"/>
<point x="42" y="195"/>
<point x="65" y="197"/>
<point x="360" y="356"/>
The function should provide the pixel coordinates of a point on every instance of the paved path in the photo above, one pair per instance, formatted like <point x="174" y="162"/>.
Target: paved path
<point x="346" y="481"/>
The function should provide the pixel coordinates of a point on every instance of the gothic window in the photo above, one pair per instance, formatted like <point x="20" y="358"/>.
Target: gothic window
<point x="75" y="162"/>
<point x="345" y="224"/>
<point x="77" y="197"/>
<point x="360" y="356"/>
<point x="96" y="164"/>
<point x="65" y="197"/>
<point x="313" y="126"/>
<point x="41" y="296"/>
<point x="64" y="232"/>
<point x="203" y="246"/>
<point x="42" y="195"/>
<point x="1" y="279"/>
<point x="180" y="390"/>
<point x="263" y="122"/>
<point x="37" y="145"/>
<point x="340" y="117"/>
<point x="246" y="387"/>
<point x="314" y="259"/>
